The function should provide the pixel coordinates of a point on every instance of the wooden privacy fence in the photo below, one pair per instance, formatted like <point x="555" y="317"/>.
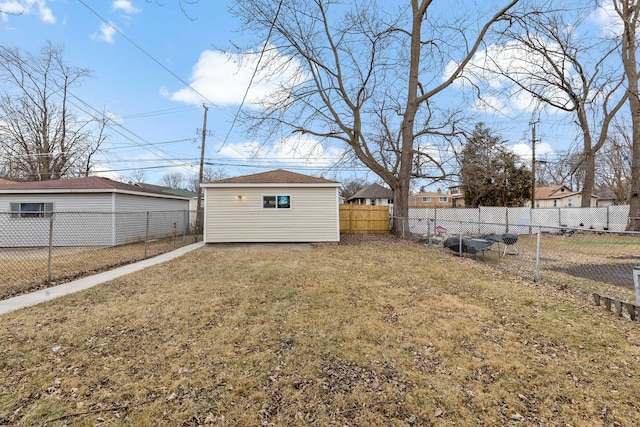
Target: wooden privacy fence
<point x="364" y="219"/>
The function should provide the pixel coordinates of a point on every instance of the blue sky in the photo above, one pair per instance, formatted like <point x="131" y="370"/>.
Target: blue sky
<point x="140" y="81"/>
<point x="139" y="76"/>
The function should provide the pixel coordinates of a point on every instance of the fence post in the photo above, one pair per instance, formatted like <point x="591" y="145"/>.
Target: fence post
<point x="146" y="235"/>
<point x="185" y="225"/>
<point x="50" y="248"/>
<point x="536" y="277"/>
<point x="636" y="282"/>
<point x="559" y="217"/>
<point x="506" y="215"/>
<point x="435" y="217"/>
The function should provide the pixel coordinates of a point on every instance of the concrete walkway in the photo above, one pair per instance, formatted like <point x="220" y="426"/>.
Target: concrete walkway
<point x="47" y="294"/>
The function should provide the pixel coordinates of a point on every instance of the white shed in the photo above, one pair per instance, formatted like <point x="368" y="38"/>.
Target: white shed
<point x="90" y="211"/>
<point x="274" y="206"/>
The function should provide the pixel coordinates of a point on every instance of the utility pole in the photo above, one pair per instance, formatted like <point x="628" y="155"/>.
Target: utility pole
<point x="533" y="165"/>
<point x="199" y="213"/>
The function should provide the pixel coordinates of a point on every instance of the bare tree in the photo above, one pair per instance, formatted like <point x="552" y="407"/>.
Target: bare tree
<point x="560" y="68"/>
<point x="138" y="175"/>
<point x="368" y="76"/>
<point x="41" y="137"/>
<point x="615" y="164"/>
<point x="566" y="169"/>
<point x="349" y="188"/>
<point x="173" y="179"/>
<point x="208" y="174"/>
<point x="629" y="13"/>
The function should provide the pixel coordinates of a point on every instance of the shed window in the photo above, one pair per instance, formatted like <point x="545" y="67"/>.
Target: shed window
<point x="276" y="202"/>
<point x="31" y="210"/>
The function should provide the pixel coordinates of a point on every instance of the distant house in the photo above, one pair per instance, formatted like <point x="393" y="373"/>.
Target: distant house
<point x="274" y="206"/>
<point x="606" y="197"/>
<point x="559" y="196"/>
<point x="373" y="195"/>
<point x="91" y="211"/>
<point x="457" y="196"/>
<point x="431" y="199"/>
<point x="453" y="198"/>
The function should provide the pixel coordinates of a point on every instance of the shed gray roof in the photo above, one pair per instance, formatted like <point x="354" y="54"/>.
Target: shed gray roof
<point x="168" y="190"/>
<point x="90" y="184"/>
<point x="374" y="191"/>
<point x="278" y="176"/>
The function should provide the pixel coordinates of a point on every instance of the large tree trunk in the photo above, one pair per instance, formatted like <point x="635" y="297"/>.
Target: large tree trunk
<point x="634" y="199"/>
<point x="628" y="11"/>
<point x="589" y="178"/>
<point x="401" y="191"/>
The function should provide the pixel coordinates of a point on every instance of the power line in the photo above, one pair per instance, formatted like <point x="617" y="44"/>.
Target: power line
<point x="147" y="54"/>
<point x="253" y="76"/>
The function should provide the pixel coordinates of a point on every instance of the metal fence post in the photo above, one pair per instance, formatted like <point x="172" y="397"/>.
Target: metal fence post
<point x="185" y="225"/>
<point x="636" y="282"/>
<point x="536" y="277"/>
<point x="506" y="215"/>
<point x="50" y="248"/>
<point x="146" y="235"/>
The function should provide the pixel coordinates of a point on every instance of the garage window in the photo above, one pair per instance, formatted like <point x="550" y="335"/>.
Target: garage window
<point x="280" y="201"/>
<point x="31" y="210"/>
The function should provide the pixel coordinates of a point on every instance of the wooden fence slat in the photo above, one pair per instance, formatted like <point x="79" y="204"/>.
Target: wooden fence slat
<point x="364" y="219"/>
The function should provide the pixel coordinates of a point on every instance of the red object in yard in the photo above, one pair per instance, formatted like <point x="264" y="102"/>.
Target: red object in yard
<point x="441" y="230"/>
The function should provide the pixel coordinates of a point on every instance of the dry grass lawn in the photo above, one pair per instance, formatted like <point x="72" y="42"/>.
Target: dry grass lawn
<point x="384" y="334"/>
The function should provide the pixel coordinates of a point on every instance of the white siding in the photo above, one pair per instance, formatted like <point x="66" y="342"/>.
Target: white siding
<point x="134" y="203"/>
<point x="70" y="228"/>
<point x="86" y="219"/>
<point x="131" y="217"/>
<point x="99" y="202"/>
<point x="313" y="216"/>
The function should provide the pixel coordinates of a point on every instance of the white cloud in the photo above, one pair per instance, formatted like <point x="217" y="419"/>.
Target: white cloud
<point x="300" y="150"/>
<point x="523" y="150"/>
<point x="105" y="172"/>
<point x="490" y="67"/>
<point x="223" y="78"/>
<point x="125" y="6"/>
<point x="106" y="34"/>
<point x="27" y="7"/>
<point x="606" y="17"/>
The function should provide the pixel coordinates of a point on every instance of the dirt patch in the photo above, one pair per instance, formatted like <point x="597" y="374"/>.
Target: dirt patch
<point x="614" y="274"/>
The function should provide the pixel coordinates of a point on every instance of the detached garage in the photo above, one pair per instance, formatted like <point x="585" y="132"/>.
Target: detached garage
<point x="275" y="206"/>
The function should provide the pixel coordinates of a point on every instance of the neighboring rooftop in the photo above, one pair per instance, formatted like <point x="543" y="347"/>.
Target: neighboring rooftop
<point x="553" y="192"/>
<point x="373" y="191"/>
<point x="91" y="183"/>
<point x="168" y="190"/>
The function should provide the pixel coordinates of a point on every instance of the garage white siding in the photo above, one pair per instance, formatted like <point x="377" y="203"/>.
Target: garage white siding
<point x="236" y="215"/>
<point x="141" y="203"/>
<point x="70" y="202"/>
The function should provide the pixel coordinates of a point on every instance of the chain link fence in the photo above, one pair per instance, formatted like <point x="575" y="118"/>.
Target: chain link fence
<point x="41" y="249"/>
<point x="563" y="244"/>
